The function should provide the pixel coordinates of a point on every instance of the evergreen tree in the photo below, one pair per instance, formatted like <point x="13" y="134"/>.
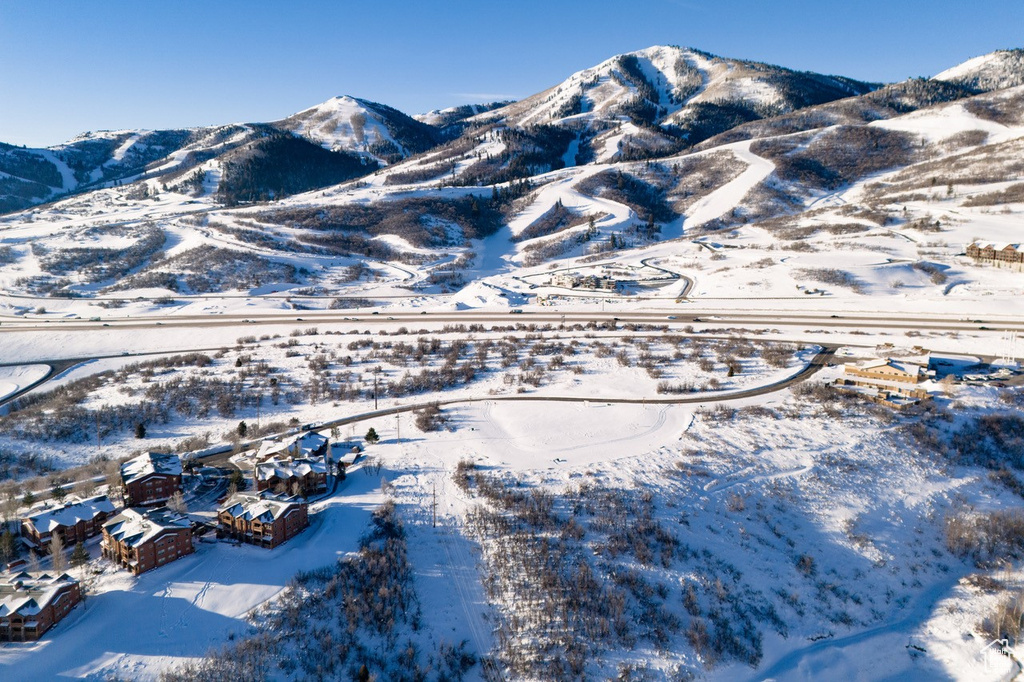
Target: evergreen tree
<point x="58" y="493"/>
<point x="371" y="436"/>
<point x="79" y="556"/>
<point x="237" y="481"/>
<point x="243" y="428"/>
<point x="140" y="430"/>
<point x="29" y="499"/>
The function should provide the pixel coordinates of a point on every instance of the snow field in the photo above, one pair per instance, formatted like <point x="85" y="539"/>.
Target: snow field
<point x="14" y="379"/>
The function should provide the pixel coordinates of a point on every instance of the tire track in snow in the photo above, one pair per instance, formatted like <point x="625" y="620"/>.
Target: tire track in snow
<point x="735" y="479"/>
<point x="915" y="616"/>
<point x="461" y="568"/>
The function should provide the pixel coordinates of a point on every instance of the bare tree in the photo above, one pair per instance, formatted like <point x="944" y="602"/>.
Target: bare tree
<point x="112" y="474"/>
<point x="58" y="561"/>
<point x="177" y="502"/>
<point x="86" y="487"/>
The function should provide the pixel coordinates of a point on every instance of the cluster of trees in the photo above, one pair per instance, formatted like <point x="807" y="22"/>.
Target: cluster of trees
<point x="431" y="418"/>
<point x="421" y="174"/>
<point x="832" y="276"/>
<point x="839" y="156"/>
<point x="646" y="199"/>
<point x="528" y="152"/>
<point x="61" y="415"/>
<point x="422" y="221"/>
<point x="578" y="575"/>
<point x="102" y="264"/>
<point x="208" y="268"/>
<point x="279" y="164"/>
<point x="990" y="539"/>
<point x="24" y="164"/>
<point x="555" y="219"/>
<point x="357" y="619"/>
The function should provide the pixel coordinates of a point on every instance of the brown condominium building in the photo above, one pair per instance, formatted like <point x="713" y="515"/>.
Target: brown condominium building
<point x="263" y="519"/>
<point x="292" y="476"/>
<point x="142" y="539"/>
<point x="32" y="603"/>
<point x="309" y="445"/>
<point x="151" y="479"/>
<point x="73" y="522"/>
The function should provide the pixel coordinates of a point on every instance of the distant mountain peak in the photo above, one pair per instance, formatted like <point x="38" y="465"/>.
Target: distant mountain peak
<point x="992" y="71"/>
<point x="346" y="123"/>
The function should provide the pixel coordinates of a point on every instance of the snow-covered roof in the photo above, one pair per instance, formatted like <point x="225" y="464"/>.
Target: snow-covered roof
<point x="345" y="452"/>
<point x="151" y="463"/>
<point x="265" y="506"/>
<point x="70" y="514"/>
<point x="906" y="367"/>
<point x="303" y="446"/>
<point x="133" y="527"/>
<point x="288" y="468"/>
<point x="272" y="448"/>
<point x="997" y="246"/>
<point x="310" y="443"/>
<point x="29" y="593"/>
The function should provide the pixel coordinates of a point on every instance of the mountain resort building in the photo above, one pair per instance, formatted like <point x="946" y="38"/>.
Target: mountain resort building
<point x="292" y="476"/>
<point x="891" y="382"/>
<point x="151" y="479"/>
<point x="32" y="603"/>
<point x="143" y="539"/>
<point x="1000" y="254"/>
<point x="263" y="518"/>
<point x="73" y="522"/>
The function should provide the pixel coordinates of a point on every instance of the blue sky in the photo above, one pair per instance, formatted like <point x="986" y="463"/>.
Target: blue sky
<point x="77" y="65"/>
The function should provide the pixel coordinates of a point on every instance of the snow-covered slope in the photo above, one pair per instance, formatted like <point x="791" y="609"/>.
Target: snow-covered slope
<point x="993" y="71"/>
<point x="671" y="79"/>
<point x="348" y="124"/>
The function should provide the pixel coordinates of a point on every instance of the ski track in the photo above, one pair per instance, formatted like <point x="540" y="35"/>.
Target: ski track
<point x="461" y="569"/>
<point x="739" y="477"/>
<point x="730" y="194"/>
<point x="914" y="616"/>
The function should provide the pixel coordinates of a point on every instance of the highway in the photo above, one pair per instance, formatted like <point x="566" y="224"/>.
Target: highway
<point x="673" y="317"/>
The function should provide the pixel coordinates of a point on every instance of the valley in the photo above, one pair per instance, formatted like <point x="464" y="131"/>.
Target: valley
<point x="603" y="338"/>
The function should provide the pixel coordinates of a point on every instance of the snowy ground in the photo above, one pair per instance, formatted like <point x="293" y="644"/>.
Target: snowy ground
<point x="14" y="379"/>
<point x="828" y="517"/>
<point x="135" y="627"/>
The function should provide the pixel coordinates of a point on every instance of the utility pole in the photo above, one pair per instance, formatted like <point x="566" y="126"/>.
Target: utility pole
<point x="97" y="429"/>
<point x="398" y="426"/>
<point x="435" y="505"/>
<point x="376" y="370"/>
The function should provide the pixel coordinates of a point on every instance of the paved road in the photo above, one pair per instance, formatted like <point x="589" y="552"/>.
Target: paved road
<point x="672" y="316"/>
<point x="821" y="359"/>
<point x="58" y="367"/>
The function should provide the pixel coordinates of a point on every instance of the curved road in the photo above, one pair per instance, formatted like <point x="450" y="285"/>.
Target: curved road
<point x="821" y="359"/>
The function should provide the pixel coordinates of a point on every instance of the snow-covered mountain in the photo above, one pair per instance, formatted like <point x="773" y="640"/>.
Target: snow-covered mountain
<point x="658" y="84"/>
<point x="349" y="124"/>
<point x="663" y="98"/>
<point x="669" y="222"/>
<point x="993" y="71"/>
<point x="642" y="147"/>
